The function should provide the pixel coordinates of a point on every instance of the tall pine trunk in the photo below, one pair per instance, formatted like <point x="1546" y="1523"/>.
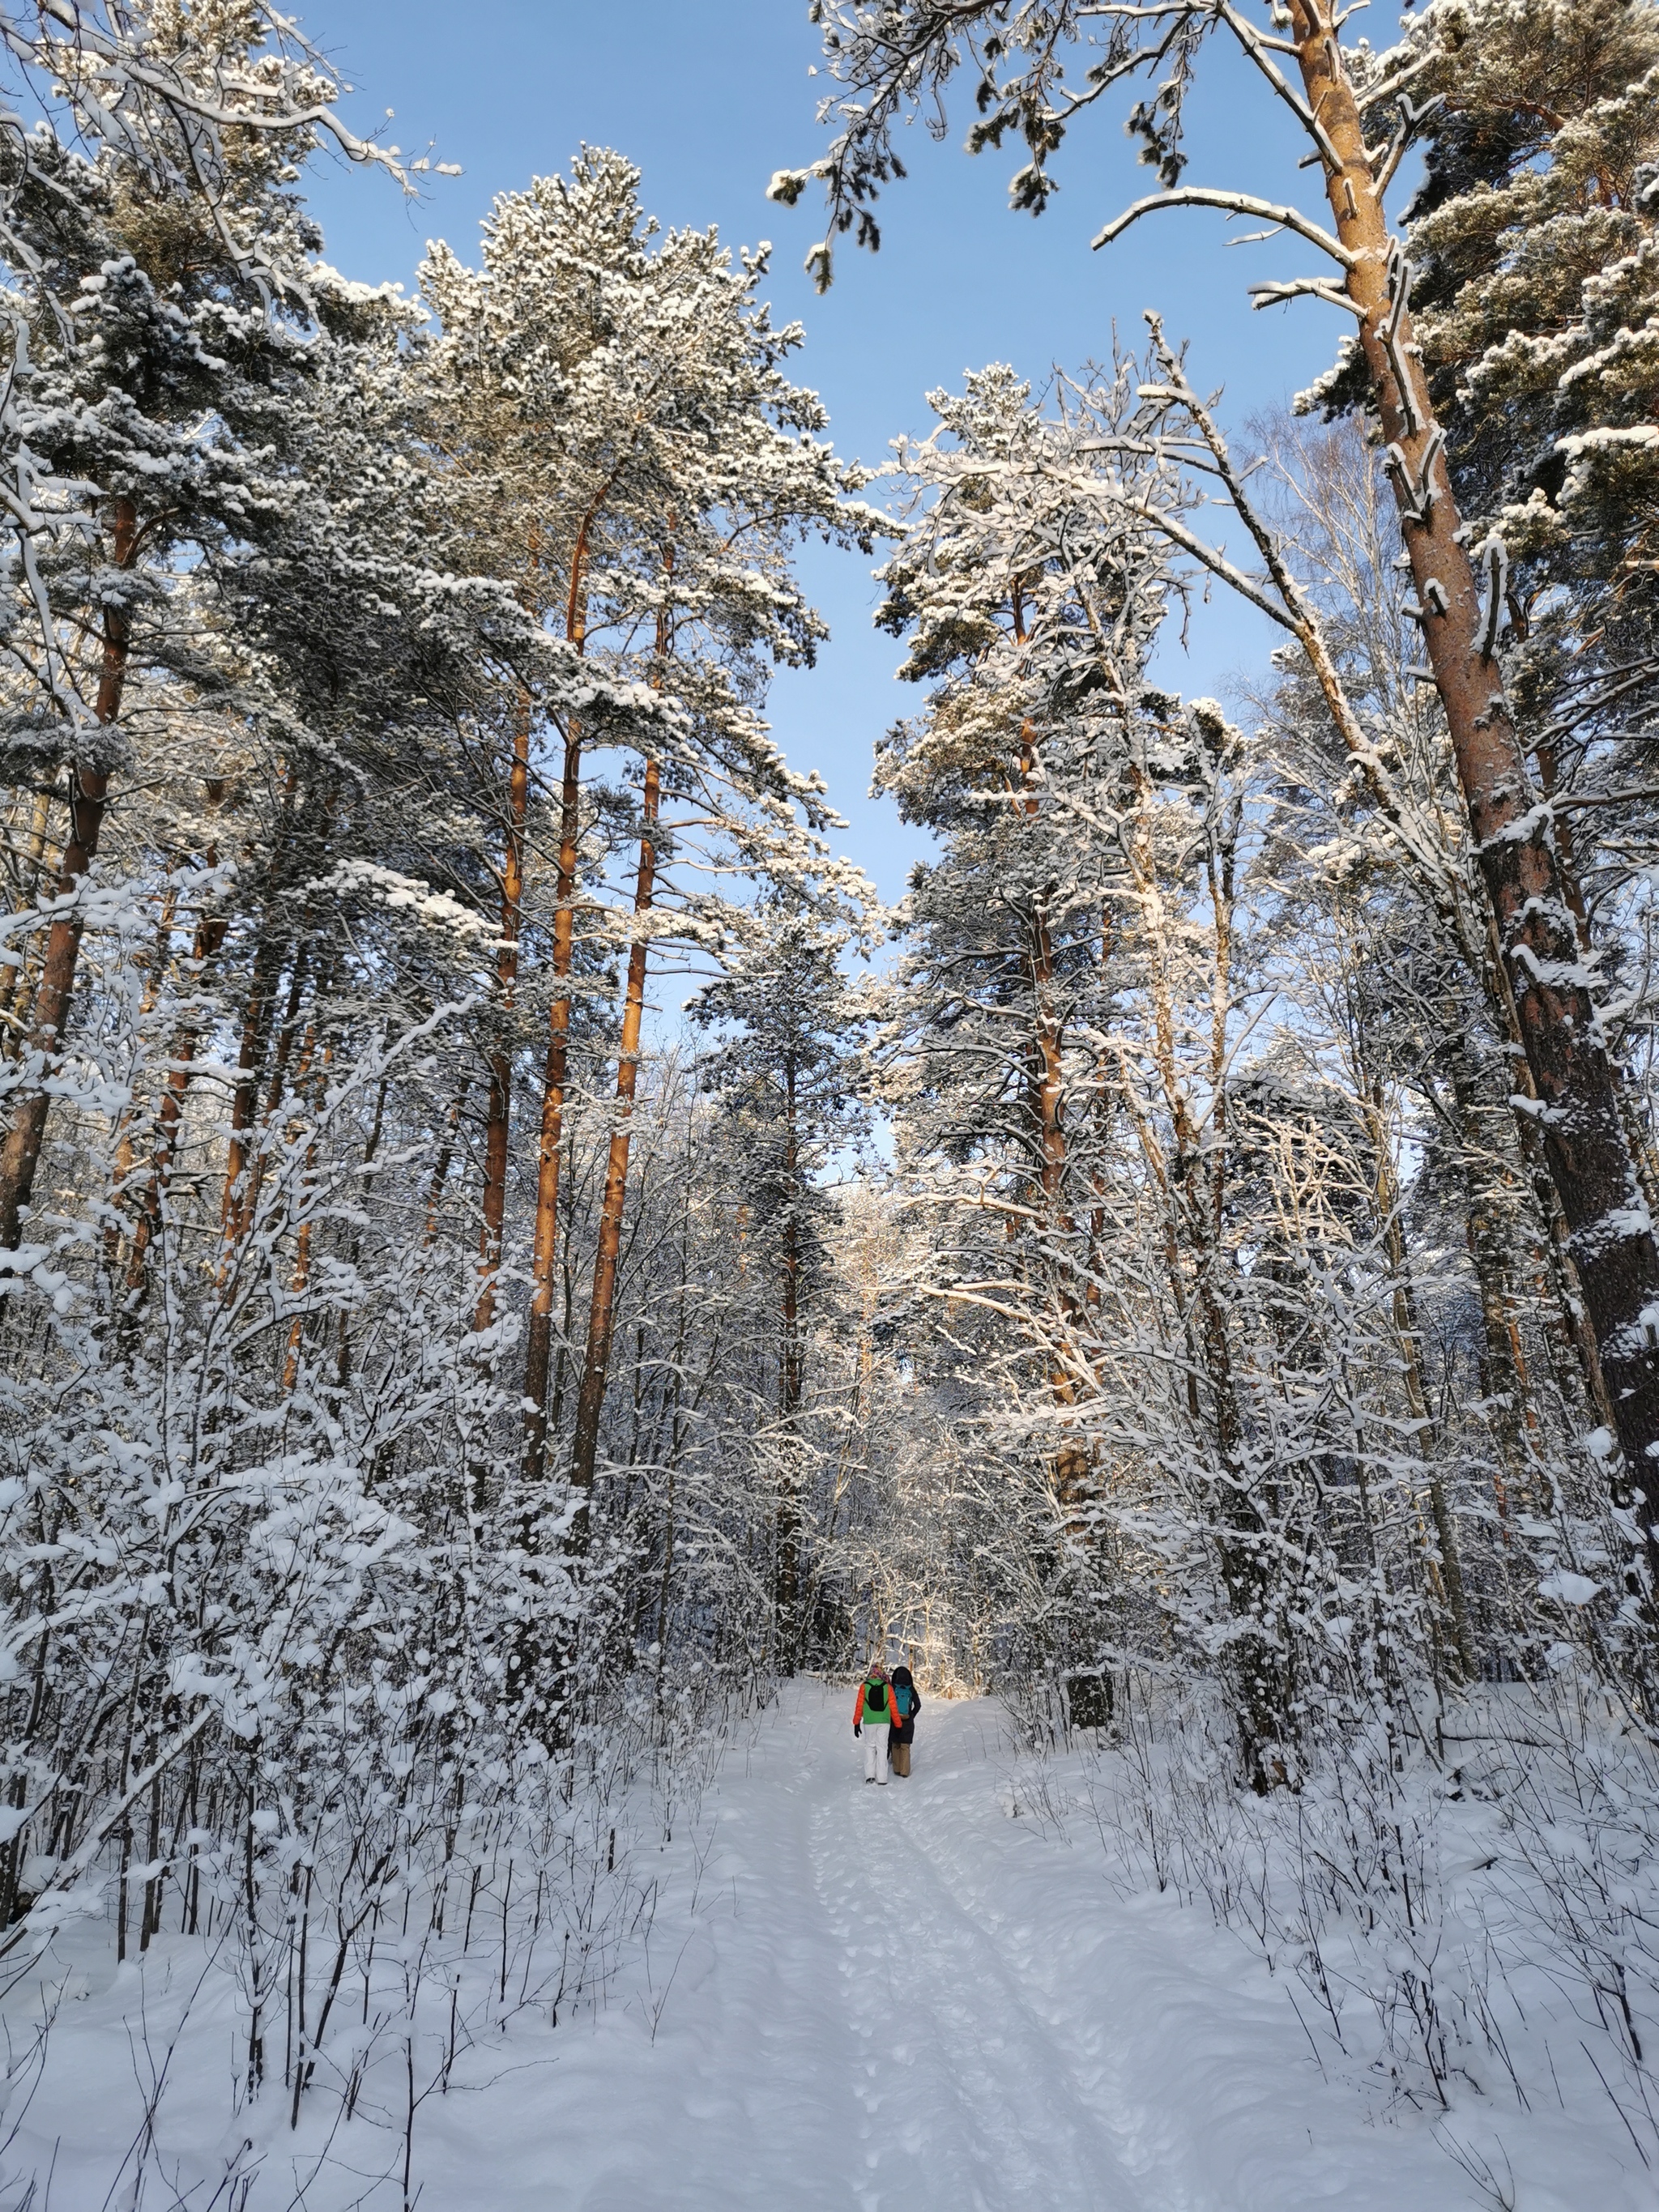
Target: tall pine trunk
<point x="1046" y="1089"/>
<point x="786" y="1593"/>
<point x="539" y="1333"/>
<point x="498" y="1112"/>
<point x="1582" y="1135"/>
<point x="19" y="1154"/>
<point x="601" y="1317"/>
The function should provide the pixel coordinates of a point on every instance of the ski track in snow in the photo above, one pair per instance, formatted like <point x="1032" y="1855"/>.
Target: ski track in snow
<point x="945" y="2014"/>
<point x="903" y="1999"/>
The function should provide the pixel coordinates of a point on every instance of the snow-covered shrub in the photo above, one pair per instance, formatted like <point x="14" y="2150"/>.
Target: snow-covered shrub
<point x="1465" y="1915"/>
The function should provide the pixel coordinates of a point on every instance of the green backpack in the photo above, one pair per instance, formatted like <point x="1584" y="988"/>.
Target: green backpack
<point x="878" y="1702"/>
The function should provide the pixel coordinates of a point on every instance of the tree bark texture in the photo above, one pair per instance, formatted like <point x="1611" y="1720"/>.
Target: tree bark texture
<point x="1046" y="1106"/>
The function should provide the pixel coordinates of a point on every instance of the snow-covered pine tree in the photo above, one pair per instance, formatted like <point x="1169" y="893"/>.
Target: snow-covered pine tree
<point x="1533" y="235"/>
<point x="656" y="459"/>
<point x="743" y="477"/>
<point x="525" y="394"/>
<point x="1083" y="814"/>
<point x="161" y="282"/>
<point x="787" y="1027"/>
<point x="887" y="60"/>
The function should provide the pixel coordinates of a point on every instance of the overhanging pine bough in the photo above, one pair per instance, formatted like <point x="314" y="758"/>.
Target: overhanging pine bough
<point x="888" y="57"/>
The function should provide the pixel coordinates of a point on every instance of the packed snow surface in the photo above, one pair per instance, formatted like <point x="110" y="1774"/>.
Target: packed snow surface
<point x="920" y="1998"/>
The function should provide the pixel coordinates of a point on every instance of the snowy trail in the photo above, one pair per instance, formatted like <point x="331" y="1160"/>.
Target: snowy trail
<point x="903" y="1999"/>
<point x="915" y="1999"/>
<point x="986" y="2074"/>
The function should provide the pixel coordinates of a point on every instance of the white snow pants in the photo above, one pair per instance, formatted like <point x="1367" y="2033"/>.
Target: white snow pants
<point x="875" y="1751"/>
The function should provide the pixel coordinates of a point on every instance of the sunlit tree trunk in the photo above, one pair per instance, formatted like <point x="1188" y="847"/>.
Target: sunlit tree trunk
<point x="1047" y="1093"/>
<point x="601" y="1319"/>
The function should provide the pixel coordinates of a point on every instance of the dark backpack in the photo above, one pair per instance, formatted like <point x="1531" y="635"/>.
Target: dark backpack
<point x="878" y="1702"/>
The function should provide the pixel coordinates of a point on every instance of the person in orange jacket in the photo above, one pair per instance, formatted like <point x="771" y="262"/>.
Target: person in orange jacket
<point x="873" y="1715"/>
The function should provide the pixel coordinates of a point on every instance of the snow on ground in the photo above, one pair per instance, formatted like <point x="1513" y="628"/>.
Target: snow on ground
<point x="909" y="2001"/>
<point x="915" y="1999"/>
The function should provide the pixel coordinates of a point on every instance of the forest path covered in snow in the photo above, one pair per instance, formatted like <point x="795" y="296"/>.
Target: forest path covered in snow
<point x="921" y="1999"/>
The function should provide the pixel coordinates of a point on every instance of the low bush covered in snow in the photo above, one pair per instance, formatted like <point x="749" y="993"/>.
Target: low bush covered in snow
<point x="334" y="1964"/>
<point x="1464" y="1913"/>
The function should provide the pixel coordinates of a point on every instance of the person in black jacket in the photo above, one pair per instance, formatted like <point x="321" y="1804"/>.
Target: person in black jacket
<point x="907" y="1703"/>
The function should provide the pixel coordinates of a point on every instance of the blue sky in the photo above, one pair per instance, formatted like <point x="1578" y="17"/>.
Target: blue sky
<point x="708" y="97"/>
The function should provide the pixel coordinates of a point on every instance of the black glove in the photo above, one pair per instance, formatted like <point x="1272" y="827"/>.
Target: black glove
<point x="857" y="1730"/>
